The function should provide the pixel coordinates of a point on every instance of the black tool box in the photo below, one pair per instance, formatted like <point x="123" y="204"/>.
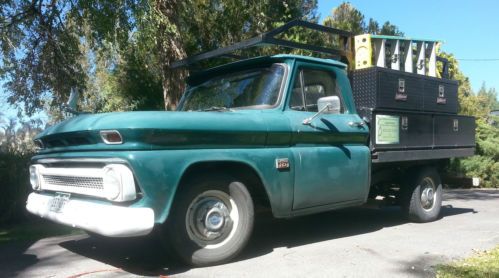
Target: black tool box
<point x="384" y="88"/>
<point x="409" y="135"/>
<point x="411" y="116"/>
<point x="401" y="130"/>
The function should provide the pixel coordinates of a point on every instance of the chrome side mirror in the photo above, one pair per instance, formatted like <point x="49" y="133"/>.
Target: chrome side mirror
<point x="332" y="103"/>
<point x="325" y="105"/>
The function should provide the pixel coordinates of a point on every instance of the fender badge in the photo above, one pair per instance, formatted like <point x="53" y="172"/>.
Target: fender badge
<point x="282" y="163"/>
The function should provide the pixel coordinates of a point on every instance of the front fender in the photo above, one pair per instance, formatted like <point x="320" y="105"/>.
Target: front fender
<point x="159" y="173"/>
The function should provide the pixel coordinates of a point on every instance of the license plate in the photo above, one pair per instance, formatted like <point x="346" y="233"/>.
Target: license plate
<point x="59" y="201"/>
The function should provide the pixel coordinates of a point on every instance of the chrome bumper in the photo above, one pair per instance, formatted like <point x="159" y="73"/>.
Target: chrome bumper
<point x="107" y="220"/>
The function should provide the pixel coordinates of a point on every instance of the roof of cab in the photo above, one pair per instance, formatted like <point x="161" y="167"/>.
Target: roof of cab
<point x="205" y="74"/>
<point x="310" y="59"/>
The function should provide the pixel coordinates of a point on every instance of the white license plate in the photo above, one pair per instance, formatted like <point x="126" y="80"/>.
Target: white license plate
<point x="59" y="201"/>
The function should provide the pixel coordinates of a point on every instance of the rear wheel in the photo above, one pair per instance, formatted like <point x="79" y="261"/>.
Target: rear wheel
<point x="422" y="196"/>
<point x="212" y="220"/>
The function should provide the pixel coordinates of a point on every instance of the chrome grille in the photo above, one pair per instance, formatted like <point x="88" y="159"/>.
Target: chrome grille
<point x="73" y="181"/>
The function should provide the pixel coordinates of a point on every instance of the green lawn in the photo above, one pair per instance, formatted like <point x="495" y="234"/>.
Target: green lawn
<point x="34" y="230"/>
<point x="483" y="264"/>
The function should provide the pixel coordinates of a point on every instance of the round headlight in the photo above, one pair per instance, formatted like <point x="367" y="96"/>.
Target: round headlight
<point x="112" y="183"/>
<point x="39" y="144"/>
<point x="33" y="177"/>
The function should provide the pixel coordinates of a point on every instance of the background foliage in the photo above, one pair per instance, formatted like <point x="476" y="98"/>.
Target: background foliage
<point x="16" y="149"/>
<point x="117" y="53"/>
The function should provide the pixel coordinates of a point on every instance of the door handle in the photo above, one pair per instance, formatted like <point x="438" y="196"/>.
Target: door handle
<point x="357" y="124"/>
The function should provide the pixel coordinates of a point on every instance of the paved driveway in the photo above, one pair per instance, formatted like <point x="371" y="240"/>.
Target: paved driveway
<point x="360" y="242"/>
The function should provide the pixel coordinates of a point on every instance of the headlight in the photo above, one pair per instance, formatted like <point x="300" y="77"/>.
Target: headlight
<point x="119" y="184"/>
<point x="112" y="183"/>
<point x="34" y="178"/>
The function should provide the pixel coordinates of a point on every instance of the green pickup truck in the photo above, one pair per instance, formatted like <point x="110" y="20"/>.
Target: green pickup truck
<point x="280" y="132"/>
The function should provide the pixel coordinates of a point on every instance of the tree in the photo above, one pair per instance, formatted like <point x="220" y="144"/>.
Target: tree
<point x="40" y="42"/>
<point x="390" y="30"/>
<point x="346" y="17"/>
<point x="386" y="29"/>
<point x="490" y="95"/>
<point x="40" y="52"/>
<point x="50" y="47"/>
<point x="485" y="163"/>
<point x="199" y="25"/>
<point x="373" y="27"/>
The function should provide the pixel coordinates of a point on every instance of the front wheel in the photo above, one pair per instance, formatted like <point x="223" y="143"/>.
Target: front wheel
<point x="212" y="220"/>
<point x="422" y="196"/>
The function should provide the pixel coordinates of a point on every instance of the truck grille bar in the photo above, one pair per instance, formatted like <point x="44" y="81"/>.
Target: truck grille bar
<point x="83" y="182"/>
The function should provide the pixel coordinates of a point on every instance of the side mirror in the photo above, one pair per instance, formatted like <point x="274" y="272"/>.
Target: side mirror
<point x="325" y="105"/>
<point x="332" y="103"/>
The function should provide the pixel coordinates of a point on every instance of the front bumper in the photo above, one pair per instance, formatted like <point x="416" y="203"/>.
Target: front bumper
<point x="103" y="219"/>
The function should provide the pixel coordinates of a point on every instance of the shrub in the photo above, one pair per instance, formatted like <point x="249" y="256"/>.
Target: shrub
<point x="14" y="186"/>
<point x="485" y="164"/>
<point x="16" y="149"/>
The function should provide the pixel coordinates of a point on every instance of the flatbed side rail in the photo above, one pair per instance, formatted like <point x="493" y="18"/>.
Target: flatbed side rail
<point x="430" y="154"/>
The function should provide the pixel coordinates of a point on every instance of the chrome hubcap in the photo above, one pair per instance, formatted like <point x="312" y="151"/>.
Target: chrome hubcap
<point x="215" y="218"/>
<point x="208" y="219"/>
<point x="428" y="193"/>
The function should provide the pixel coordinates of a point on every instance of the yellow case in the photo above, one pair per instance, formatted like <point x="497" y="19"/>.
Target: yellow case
<point x="363" y="51"/>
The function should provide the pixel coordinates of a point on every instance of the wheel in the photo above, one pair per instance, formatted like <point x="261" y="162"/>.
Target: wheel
<point x="212" y="220"/>
<point x="422" y="196"/>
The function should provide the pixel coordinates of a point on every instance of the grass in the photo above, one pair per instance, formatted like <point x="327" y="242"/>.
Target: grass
<point x="34" y="230"/>
<point x="483" y="264"/>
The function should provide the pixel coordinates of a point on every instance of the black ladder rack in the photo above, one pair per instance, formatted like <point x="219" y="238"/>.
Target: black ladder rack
<point x="344" y="53"/>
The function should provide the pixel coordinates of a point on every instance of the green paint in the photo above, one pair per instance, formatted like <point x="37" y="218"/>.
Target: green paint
<point x="329" y="160"/>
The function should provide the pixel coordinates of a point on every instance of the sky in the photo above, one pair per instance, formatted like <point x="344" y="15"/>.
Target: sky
<point x="469" y="29"/>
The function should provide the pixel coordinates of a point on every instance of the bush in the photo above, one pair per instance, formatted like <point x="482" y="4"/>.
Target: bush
<point x="485" y="164"/>
<point x="14" y="186"/>
<point x="16" y="149"/>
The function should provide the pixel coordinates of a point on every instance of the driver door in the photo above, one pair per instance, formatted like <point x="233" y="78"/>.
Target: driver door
<point x="332" y="159"/>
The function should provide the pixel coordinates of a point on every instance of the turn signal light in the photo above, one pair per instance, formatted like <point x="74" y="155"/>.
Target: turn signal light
<point x="111" y="137"/>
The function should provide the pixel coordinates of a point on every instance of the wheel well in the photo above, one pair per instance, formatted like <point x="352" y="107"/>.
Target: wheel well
<point x="238" y="170"/>
<point x="387" y="176"/>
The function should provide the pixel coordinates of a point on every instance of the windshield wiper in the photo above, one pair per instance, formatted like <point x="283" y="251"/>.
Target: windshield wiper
<point x="217" y="108"/>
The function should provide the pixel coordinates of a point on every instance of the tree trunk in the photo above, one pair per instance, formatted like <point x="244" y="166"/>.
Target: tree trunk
<point x="171" y="48"/>
<point x="173" y="87"/>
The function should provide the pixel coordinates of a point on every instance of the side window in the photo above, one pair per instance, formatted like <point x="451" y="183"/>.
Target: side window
<point x="310" y="85"/>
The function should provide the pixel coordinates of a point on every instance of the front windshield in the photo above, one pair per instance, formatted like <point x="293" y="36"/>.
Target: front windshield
<point x="255" y="88"/>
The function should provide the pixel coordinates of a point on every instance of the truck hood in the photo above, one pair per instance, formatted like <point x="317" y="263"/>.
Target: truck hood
<point x="158" y="129"/>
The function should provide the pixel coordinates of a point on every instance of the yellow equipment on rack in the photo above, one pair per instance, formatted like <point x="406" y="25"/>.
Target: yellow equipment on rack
<point x="398" y="53"/>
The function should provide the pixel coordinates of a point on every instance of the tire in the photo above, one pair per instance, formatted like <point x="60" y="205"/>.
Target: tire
<point x="96" y="235"/>
<point x="212" y="220"/>
<point x="422" y="196"/>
